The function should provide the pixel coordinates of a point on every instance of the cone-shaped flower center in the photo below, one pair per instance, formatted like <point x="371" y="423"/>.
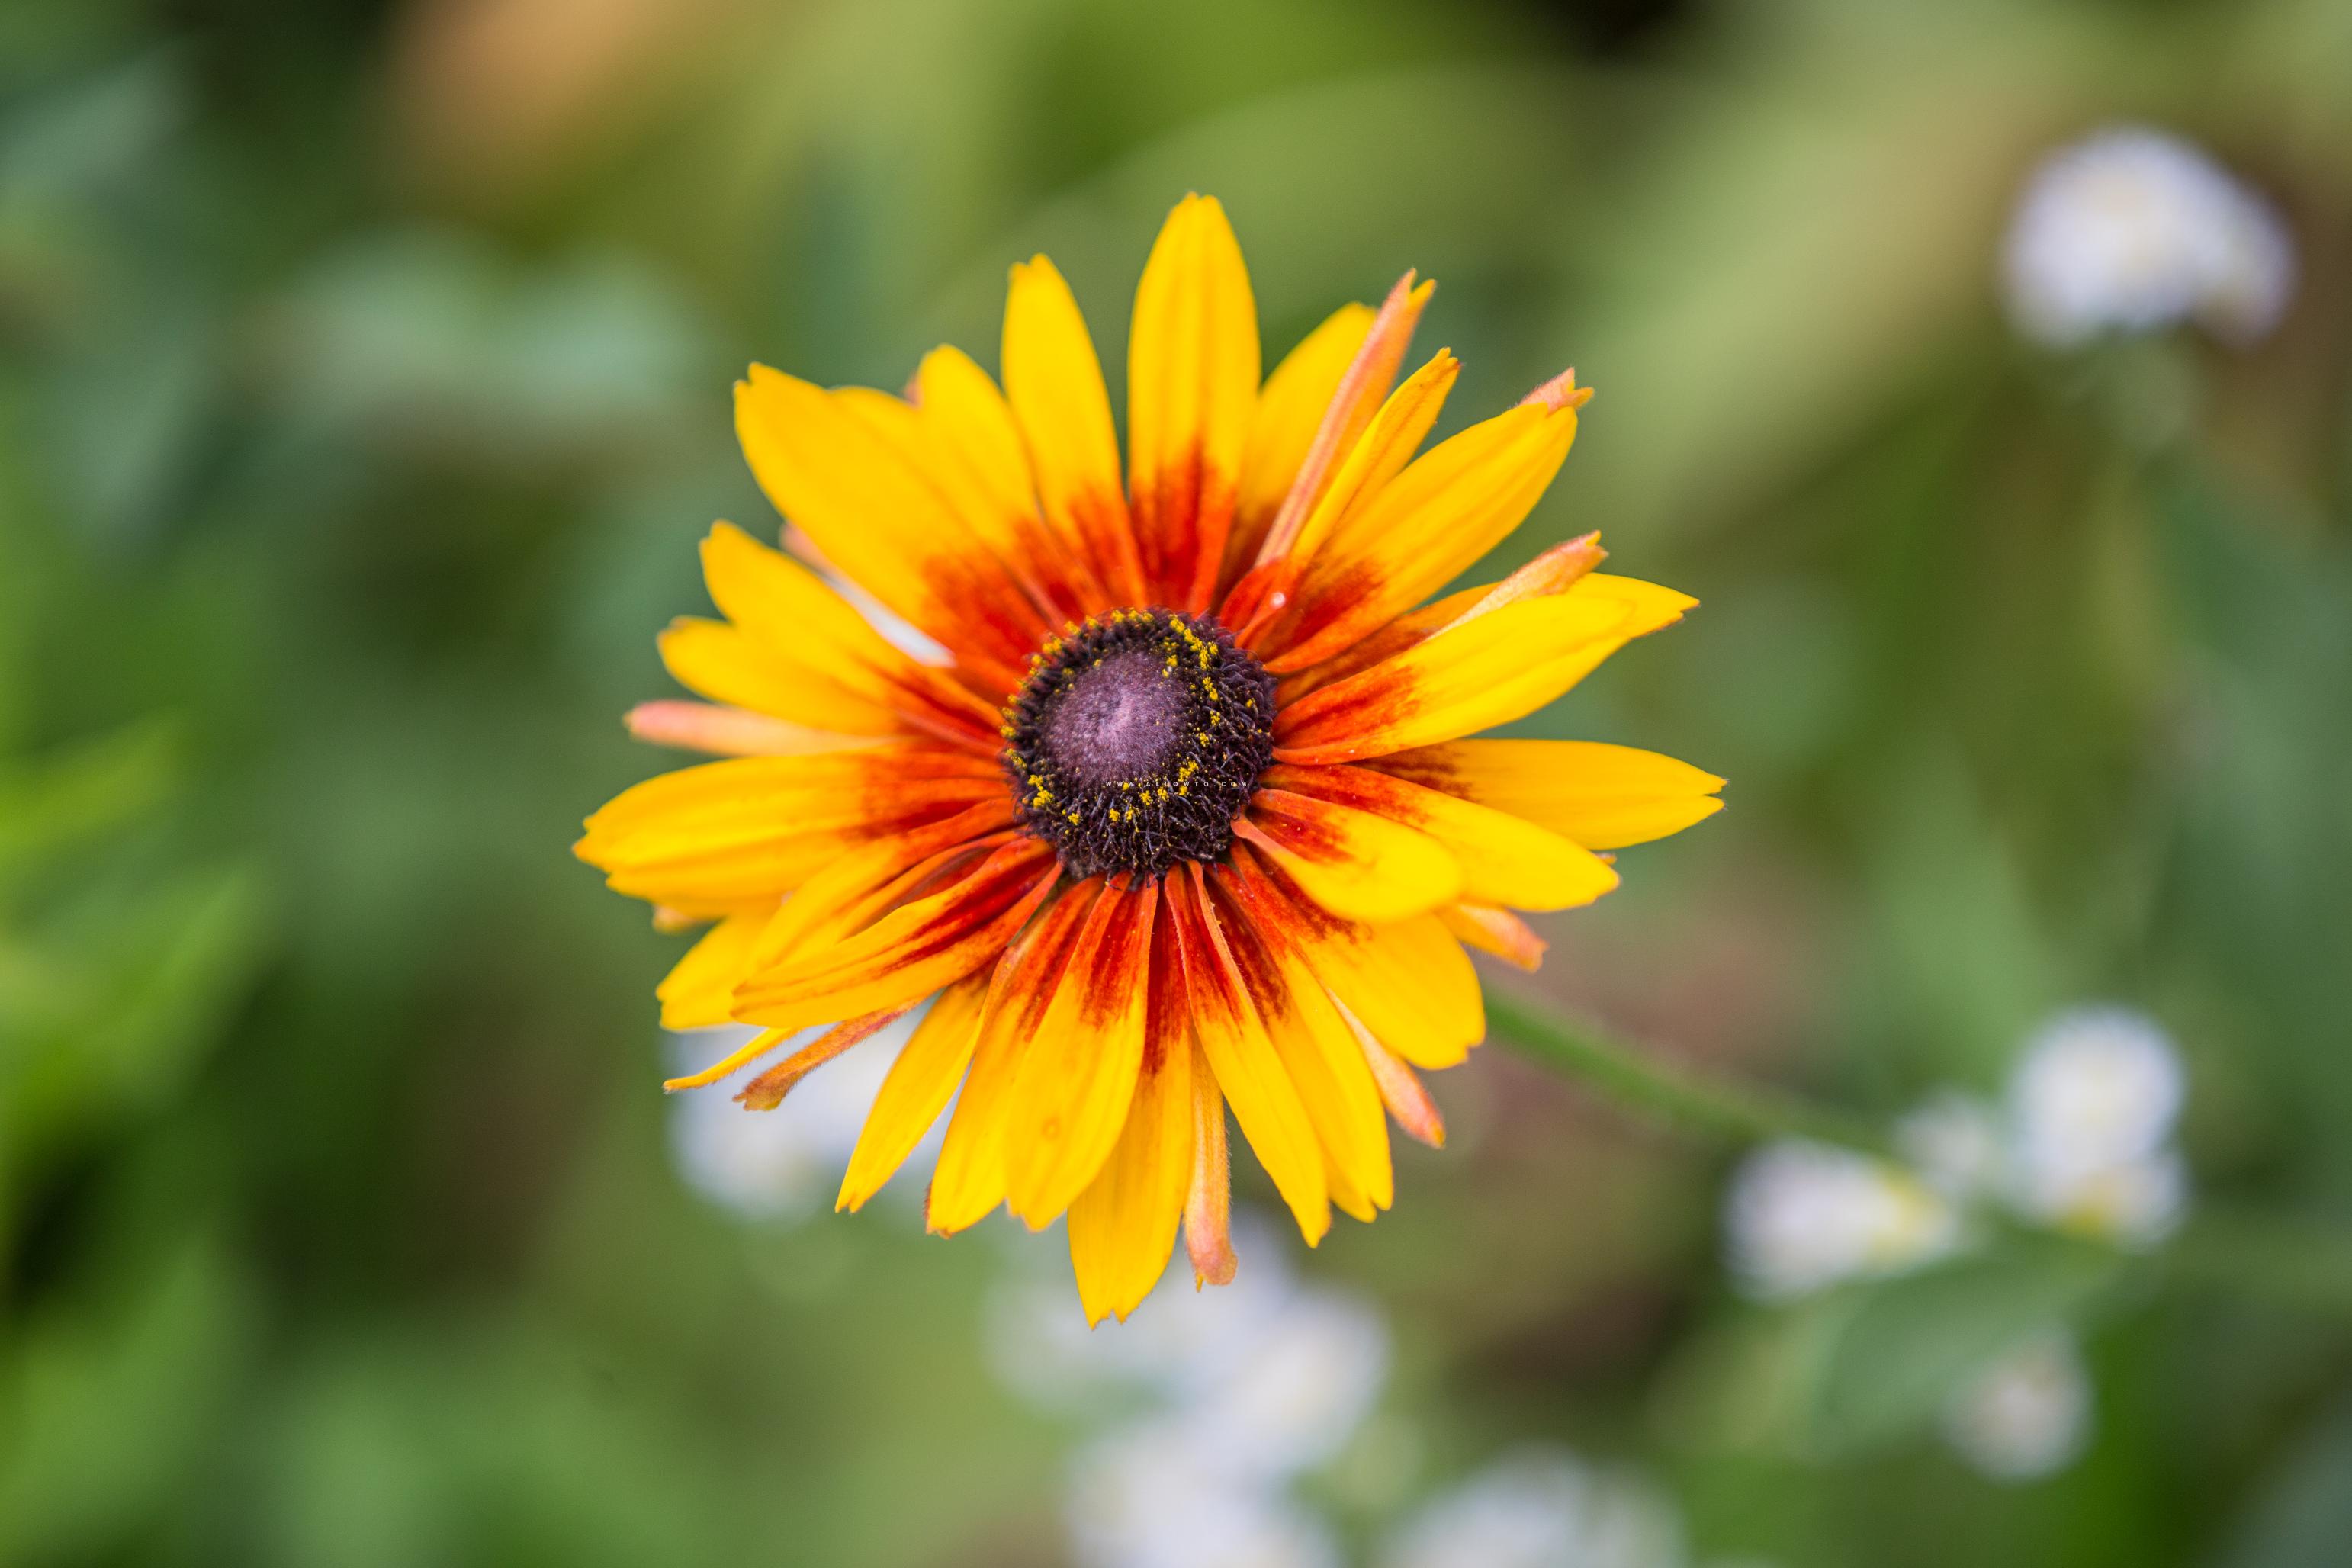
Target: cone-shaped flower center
<point x="1135" y="740"/>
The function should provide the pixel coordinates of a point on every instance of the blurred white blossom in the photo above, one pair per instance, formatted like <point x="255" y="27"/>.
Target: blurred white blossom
<point x="1801" y="1216"/>
<point x="2092" y="1108"/>
<point x="1160" y="1494"/>
<point x="1958" y="1144"/>
<point x="2133" y="229"/>
<point x="785" y="1163"/>
<point x="1210" y="1404"/>
<point x="1541" y="1508"/>
<point x="2027" y="1415"/>
<point x="1180" y="1345"/>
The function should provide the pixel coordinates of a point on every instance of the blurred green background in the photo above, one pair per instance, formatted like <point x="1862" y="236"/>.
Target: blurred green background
<point x="365" y="372"/>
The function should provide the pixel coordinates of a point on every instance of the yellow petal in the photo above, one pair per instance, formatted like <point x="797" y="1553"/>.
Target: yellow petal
<point x="1478" y="673"/>
<point x="1123" y="1226"/>
<point x="911" y="952"/>
<point x="1209" y="1198"/>
<point x="1602" y="796"/>
<point x="700" y="992"/>
<point x="1353" y="863"/>
<point x="723" y="732"/>
<point x="1322" y="1060"/>
<point x="1504" y="859"/>
<point x="1498" y="931"/>
<point x="1386" y="447"/>
<point x="1248" y="1068"/>
<point x="1055" y="385"/>
<point x="922" y="1082"/>
<point x="1403" y="1092"/>
<point x="720" y="662"/>
<point x="969" y="1180"/>
<point x="1078" y="1078"/>
<point x="787" y="609"/>
<point x="1192" y="381"/>
<point x="738" y="831"/>
<point x="1408" y="980"/>
<point x="838" y="464"/>
<point x="1289" y="408"/>
<point x="1361" y="389"/>
<point x="768" y="1091"/>
<point x="1420" y="530"/>
<point x="984" y="469"/>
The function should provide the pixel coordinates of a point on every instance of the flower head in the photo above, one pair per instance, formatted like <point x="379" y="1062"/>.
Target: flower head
<point x="2093" y="1105"/>
<point x="1170" y="806"/>
<point x="1802" y="1216"/>
<point x="2026" y="1414"/>
<point x="2132" y="230"/>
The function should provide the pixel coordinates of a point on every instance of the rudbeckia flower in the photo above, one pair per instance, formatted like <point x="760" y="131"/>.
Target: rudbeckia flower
<point x="1173" y="812"/>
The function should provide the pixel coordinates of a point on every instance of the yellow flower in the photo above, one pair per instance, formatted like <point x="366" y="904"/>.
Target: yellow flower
<point x="1184" y="820"/>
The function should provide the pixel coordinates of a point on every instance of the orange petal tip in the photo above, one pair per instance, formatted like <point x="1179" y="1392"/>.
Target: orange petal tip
<point x="1560" y="392"/>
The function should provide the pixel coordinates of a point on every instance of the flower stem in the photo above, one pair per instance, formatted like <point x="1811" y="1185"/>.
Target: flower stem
<point x="1639" y="1080"/>
<point x="2286" y="1260"/>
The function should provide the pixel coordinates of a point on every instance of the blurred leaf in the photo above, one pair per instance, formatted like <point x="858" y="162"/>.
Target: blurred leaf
<point x="1808" y="239"/>
<point x="112" y="1023"/>
<point x="2302" y="1514"/>
<point x="1910" y="1341"/>
<point x="433" y="337"/>
<point x="61" y="802"/>
<point x="105" y="1409"/>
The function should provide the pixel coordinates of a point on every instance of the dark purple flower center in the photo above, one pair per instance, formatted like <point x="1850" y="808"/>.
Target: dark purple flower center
<point x="1137" y="740"/>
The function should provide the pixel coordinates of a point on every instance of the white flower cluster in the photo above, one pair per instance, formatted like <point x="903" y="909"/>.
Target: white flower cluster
<point x="2132" y="230"/>
<point x="786" y="1163"/>
<point x="1541" y="1508"/>
<point x="1216" y="1401"/>
<point x="2092" y="1109"/>
<point x="2081" y="1143"/>
<point x="1802" y="1216"/>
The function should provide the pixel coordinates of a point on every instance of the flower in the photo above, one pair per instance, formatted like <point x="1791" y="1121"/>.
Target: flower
<point x="1184" y="819"/>
<point x="1801" y="1216"/>
<point x="1959" y="1145"/>
<point x="2092" y="1107"/>
<point x="2027" y="1415"/>
<point x="1543" y="1507"/>
<point x="2133" y="229"/>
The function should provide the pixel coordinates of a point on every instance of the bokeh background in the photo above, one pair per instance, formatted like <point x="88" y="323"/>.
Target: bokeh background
<point x="365" y="375"/>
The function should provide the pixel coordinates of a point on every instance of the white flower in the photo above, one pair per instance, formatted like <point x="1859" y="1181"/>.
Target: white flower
<point x="1801" y="1216"/>
<point x="2091" y="1108"/>
<point x="785" y="1163"/>
<point x="1269" y="1376"/>
<point x="1153" y="1496"/>
<point x="1300" y="1391"/>
<point x="1957" y="1144"/>
<point x="2136" y="1201"/>
<point x="1179" y="1343"/>
<point x="2133" y="229"/>
<point x="1541" y="1508"/>
<point x="2027" y="1415"/>
<point x="2097" y="1085"/>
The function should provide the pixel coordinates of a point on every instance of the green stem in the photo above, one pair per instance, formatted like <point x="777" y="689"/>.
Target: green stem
<point x="1639" y="1080"/>
<point x="2286" y="1260"/>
